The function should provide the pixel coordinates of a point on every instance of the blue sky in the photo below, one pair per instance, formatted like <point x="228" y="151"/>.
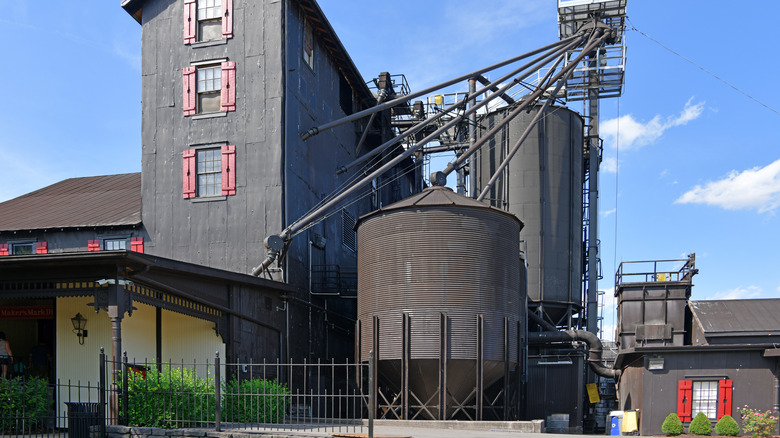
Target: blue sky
<point x="698" y="168"/>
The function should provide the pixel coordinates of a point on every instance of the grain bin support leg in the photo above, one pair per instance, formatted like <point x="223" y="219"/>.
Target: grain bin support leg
<point x="480" y="364"/>
<point x="405" y="350"/>
<point x="443" y="349"/>
<point x="506" y="368"/>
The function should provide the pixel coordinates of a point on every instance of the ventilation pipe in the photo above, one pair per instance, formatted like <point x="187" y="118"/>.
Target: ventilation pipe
<point x="552" y="335"/>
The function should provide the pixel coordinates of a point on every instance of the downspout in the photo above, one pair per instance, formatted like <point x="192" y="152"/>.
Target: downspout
<point x="273" y="251"/>
<point x="595" y="347"/>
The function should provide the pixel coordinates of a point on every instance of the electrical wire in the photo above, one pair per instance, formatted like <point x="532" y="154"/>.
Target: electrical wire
<point x="703" y="69"/>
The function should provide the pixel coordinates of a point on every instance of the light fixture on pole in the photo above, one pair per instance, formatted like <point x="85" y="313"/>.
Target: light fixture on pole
<point x="79" y="322"/>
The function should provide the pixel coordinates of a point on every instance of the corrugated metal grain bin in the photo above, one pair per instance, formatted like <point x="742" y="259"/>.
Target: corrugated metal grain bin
<point x="439" y="253"/>
<point x="543" y="186"/>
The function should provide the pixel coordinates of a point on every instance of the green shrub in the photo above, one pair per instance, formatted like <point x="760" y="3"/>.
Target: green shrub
<point x="170" y="398"/>
<point x="727" y="426"/>
<point x="23" y="404"/>
<point x="700" y="425"/>
<point x="757" y="423"/>
<point x="254" y="401"/>
<point x="672" y="425"/>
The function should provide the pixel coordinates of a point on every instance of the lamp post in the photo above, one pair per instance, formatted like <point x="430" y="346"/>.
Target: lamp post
<point x="79" y="322"/>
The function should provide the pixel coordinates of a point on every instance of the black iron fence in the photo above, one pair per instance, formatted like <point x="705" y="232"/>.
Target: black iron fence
<point x="214" y="395"/>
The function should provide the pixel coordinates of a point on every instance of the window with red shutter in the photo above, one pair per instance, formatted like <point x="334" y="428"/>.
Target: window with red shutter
<point x="725" y="388"/>
<point x="137" y="244"/>
<point x="93" y="245"/>
<point x="684" y="395"/>
<point x="228" y="170"/>
<point x="4" y="249"/>
<point x="188" y="173"/>
<point x="190" y="20"/>
<point x="41" y="248"/>
<point x="227" y="19"/>
<point x="228" y="86"/>
<point x="189" y="90"/>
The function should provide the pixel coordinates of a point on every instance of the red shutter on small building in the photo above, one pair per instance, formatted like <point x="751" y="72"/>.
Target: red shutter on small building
<point x="228" y="86"/>
<point x="188" y="99"/>
<point x="190" y="20"/>
<point x="684" y="393"/>
<point x="725" y="388"/>
<point x="4" y="249"/>
<point x="229" y="170"/>
<point x="41" y="248"/>
<point x="137" y="244"/>
<point x="93" y="245"/>
<point x="227" y="18"/>
<point x="188" y="173"/>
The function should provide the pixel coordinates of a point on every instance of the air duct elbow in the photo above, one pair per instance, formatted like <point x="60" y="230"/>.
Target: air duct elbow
<point x="595" y="348"/>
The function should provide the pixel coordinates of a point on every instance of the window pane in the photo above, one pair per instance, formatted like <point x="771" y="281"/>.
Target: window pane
<point x="705" y="399"/>
<point x="209" y="169"/>
<point x="22" y="248"/>
<point x="114" y="244"/>
<point x="210" y="30"/>
<point x="208" y="9"/>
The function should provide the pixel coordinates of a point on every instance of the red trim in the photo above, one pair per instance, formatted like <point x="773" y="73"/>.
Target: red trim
<point x="188" y="173"/>
<point x="4" y="249"/>
<point x="227" y="18"/>
<point x="725" y="389"/>
<point x="684" y="393"/>
<point x="188" y="97"/>
<point x="190" y="21"/>
<point x="93" y="245"/>
<point x="229" y="170"/>
<point x="137" y="244"/>
<point x="228" y="86"/>
<point x="41" y="248"/>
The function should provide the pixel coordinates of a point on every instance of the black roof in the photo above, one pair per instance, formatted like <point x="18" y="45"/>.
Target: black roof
<point x="737" y="317"/>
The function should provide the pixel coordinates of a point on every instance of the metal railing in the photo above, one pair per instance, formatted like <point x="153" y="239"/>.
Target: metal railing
<point x="323" y="397"/>
<point x="650" y="271"/>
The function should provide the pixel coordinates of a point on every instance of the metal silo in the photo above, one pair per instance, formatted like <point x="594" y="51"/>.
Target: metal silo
<point x="543" y="185"/>
<point x="440" y="303"/>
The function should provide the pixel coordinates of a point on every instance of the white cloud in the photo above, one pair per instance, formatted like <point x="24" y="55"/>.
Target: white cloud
<point x="608" y="164"/>
<point x="757" y="188"/>
<point x="608" y="212"/>
<point x="632" y="134"/>
<point x="739" y="293"/>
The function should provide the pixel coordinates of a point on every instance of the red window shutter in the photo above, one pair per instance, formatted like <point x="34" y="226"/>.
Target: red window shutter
<point x="188" y="100"/>
<point x="684" y="393"/>
<point x="725" y="388"/>
<point x="188" y="173"/>
<point x="137" y="244"/>
<point x="4" y="249"/>
<point x="229" y="170"/>
<point x="41" y="248"/>
<point x="228" y="86"/>
<point x="190" y="20"/>
<point x="93" y="245"/>
<point x="227" y="18"/>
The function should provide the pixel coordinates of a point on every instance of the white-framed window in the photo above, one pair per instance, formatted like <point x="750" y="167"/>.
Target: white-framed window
<point x="209" y="170"/>
<point x="209" y="20"/>
<point x="704" y="398"/>
<point x="209" y="86"/>
<point x="21" y="248"/>
<point x="113" y="244"/>
<point x="308" y="44"/>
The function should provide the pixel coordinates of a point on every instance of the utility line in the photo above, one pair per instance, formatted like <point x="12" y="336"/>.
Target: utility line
<point x="703" y="69"/>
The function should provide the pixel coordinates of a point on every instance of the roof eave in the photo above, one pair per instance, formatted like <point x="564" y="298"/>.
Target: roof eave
<point x="133" y="7"/>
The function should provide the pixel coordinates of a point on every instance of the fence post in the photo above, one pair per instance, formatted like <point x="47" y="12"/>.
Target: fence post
<point x="102" y="391"/>
<point x="217" y="395"/>
<point x="371" y="394"/>
<point x="125" y="410"/>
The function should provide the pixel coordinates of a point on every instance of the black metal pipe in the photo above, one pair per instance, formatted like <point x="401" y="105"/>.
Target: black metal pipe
<point x="473" y="93"/>
<point x="595" y="347"/>
<point x="457" y="162"/>
<point x="316" y="130"/>
<point x="484" y="81"/>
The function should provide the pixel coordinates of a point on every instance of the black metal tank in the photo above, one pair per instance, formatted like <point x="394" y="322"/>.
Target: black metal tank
<point x="440" y="299"/>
